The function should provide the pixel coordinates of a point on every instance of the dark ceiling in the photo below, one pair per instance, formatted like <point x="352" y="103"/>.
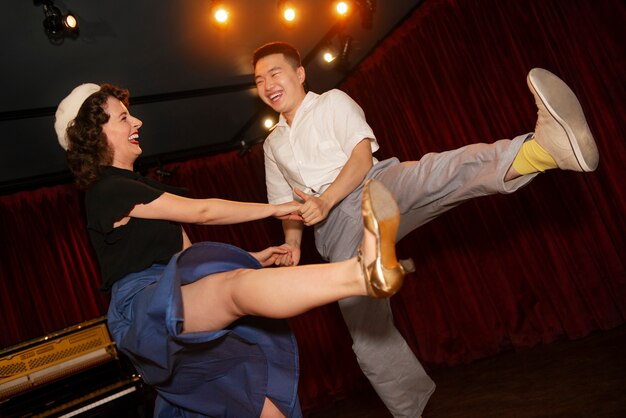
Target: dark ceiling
<point x="191" y="83"/>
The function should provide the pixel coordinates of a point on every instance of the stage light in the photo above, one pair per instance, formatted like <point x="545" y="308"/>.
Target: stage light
<point x="56" y="24"/>
<point x="337" y="51"/>
<point x="342" y="8"/>
<point x="268" y="123"/>
<point x="287" y="11"/>
<point x="220" y="13"/>
<point x="328" y="56"/>
<point x="70" y="21"/>
<point x="289" y="14"/>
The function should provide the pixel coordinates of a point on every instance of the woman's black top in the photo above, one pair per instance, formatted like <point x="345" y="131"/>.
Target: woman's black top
<point x="141" y="242"/>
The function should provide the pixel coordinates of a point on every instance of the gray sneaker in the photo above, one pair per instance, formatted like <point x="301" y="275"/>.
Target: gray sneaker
<point x="561" y="126"/>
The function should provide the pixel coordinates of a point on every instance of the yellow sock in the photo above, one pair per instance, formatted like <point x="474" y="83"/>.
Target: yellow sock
<point x="532" y="158"/>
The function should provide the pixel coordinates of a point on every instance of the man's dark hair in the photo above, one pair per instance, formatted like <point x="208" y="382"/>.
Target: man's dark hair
<point x="290" y="53"/>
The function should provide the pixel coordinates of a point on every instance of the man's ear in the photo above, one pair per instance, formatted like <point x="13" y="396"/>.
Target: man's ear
<point x="301" y="74"/>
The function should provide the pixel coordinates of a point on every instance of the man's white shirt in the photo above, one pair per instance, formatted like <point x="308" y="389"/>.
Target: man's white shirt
<point x="310" y="153"/>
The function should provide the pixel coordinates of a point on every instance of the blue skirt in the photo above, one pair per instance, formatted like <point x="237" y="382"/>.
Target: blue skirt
<point x="225" y="373"/>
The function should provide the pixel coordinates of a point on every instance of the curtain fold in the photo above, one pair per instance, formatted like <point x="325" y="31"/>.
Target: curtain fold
<point x="496" y="273"/>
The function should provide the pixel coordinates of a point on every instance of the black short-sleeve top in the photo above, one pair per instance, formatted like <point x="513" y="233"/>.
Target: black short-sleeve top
<point x="141" y="242"/>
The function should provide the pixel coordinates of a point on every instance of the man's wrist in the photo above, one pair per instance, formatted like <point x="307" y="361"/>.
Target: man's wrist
<point x="328" y="201"/>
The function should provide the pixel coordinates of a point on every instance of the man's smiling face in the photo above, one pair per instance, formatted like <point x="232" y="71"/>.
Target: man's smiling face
<point x="279" y="84"/>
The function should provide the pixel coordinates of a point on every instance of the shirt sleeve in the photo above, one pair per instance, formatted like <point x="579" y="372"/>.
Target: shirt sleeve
<point x="278" y="189"/>
<point x="110" y="200"/>
<point x="349" y="123"/>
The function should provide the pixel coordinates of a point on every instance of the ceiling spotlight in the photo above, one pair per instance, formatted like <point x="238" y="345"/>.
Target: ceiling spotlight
<point x="337" y="51"/>
<point x="268" y="123"/>
<point x="289" y="14"/>
<point x="287" y="11"/>
<point x="70" y="21"/>
<point x="56" y="24"/>
<point x="342" y="8"/>
<point x="329" y="56"/>
<point x="220" y="13"/>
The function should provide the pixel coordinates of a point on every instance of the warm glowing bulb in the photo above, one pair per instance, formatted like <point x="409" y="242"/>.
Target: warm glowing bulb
<point x="328" y="57"/>
<point x="268" y="123"/>
<point x="70" y="21"/>
<point x="342" y="8"/>
<point x="221" y="15"/>
<point x="289" y="14"/>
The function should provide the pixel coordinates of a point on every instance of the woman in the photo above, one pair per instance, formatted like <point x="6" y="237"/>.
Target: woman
<point x="201" y="322"/>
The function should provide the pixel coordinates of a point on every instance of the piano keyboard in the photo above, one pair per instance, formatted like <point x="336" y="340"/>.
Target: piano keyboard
<point x="100" y="402"/>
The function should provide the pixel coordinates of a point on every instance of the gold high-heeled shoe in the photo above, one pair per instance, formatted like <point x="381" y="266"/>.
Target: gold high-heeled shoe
<point x="381" y="216"/>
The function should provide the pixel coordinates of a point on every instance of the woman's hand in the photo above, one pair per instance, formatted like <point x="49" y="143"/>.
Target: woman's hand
<point x="288" y="211"/>
<point x="268" y="256"/>
<point x="291" y="258"/>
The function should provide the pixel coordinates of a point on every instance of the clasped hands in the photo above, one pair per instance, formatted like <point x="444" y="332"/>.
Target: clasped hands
<point x="314" y="209"/>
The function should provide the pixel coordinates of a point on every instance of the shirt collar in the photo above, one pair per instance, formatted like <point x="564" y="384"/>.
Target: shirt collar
<point x="309" y="98"/>
<point x="110" y="170"/>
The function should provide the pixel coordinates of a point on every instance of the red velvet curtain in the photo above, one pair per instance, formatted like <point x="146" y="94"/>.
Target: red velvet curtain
<point x="546" y="261"/>
<point x="496" y="273"/>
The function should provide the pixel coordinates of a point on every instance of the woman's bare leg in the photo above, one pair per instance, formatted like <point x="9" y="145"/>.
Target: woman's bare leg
<point x="270" y="410"/>
<point x="215" y="301"/>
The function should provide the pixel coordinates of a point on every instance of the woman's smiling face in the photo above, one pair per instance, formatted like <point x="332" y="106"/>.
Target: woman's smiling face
<point x="122" y="133"/>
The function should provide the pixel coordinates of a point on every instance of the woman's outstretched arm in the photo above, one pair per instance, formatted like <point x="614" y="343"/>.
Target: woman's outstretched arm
<point x="211" y="211"/>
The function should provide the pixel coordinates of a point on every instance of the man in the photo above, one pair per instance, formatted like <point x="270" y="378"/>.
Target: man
<point x="321" y="150"/>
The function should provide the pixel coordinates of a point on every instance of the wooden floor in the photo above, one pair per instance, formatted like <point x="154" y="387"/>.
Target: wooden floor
<point x="583" y="378"/>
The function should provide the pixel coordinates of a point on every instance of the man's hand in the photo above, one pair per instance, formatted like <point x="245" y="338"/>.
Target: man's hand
<point x="314" y="209"/>
<point x="291" y="257"/>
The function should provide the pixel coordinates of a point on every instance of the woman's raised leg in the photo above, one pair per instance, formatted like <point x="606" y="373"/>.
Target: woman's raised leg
<point x="215" y="301"/>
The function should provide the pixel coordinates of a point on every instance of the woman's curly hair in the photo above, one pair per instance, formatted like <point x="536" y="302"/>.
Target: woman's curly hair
<point x="88" y="151"/>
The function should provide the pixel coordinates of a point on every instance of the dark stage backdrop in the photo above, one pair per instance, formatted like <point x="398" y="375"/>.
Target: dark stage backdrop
<point x="497" y="273"/>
